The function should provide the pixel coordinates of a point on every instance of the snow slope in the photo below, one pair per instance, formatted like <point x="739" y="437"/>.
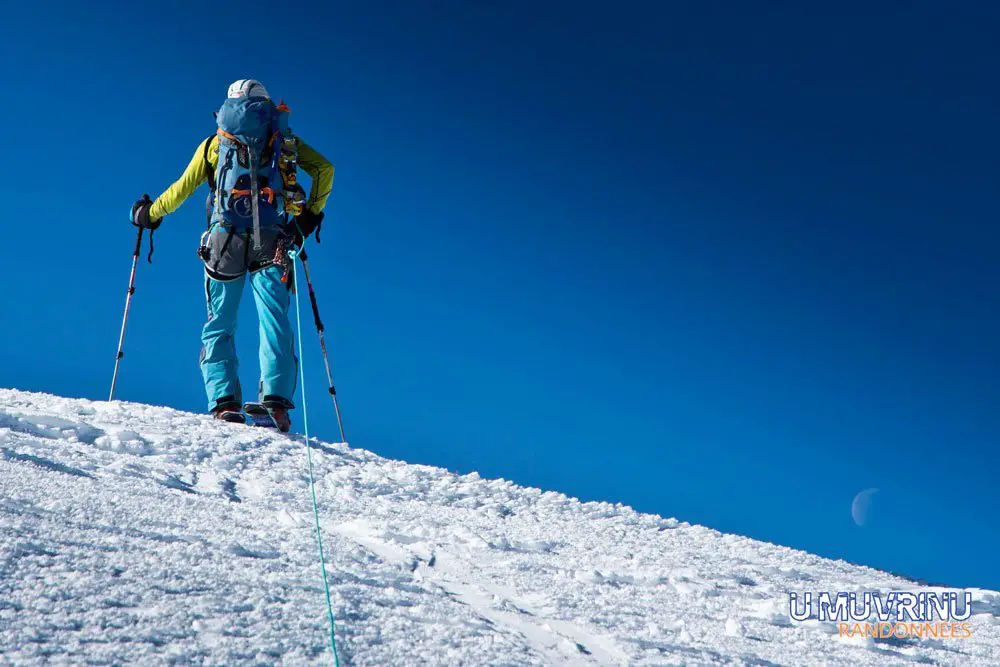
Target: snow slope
<point x="132" y="534"/>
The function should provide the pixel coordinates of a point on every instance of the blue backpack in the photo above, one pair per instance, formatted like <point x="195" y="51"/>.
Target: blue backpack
<point x="247" y="192"/>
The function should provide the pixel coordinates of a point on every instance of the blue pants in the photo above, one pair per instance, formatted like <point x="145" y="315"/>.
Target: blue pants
<point x="278" y="363"/>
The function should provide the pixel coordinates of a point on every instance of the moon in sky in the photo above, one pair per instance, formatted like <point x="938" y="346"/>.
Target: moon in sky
<point x="861" y="504"/>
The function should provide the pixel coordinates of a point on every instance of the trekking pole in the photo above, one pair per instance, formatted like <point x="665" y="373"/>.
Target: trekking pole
<point x="322" y="341"/>
<point x="128" y="304"/>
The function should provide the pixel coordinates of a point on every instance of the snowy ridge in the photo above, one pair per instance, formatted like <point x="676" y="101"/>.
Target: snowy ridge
<point x="133" y="534"/>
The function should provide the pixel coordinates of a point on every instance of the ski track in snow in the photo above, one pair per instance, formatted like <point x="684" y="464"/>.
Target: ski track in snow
<point x="133" y="534"/>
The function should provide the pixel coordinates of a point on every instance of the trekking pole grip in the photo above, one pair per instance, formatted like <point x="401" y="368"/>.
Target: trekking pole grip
<point x="138" y="242"/>
<point x="138" y="239"/>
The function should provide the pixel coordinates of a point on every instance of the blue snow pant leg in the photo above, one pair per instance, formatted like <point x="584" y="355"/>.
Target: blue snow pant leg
<point x="219" y="366"/>
<point x="279" y="366"/>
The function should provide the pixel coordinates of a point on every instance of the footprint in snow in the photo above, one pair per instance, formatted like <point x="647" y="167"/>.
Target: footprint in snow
<point x="11" y="455"/>
<point x="49" y="427"/>
<point x="263" y="552"/>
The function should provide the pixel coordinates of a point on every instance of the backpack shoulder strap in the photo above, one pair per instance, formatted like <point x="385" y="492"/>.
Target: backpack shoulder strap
<point x="209" y="169"/>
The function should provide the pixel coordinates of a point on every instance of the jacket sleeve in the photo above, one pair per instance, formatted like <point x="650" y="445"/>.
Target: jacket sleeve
<point x="320" y="171"/>
<point x="195" y="174"/>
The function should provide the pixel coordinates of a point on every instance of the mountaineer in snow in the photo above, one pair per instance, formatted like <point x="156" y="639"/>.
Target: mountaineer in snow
<point x="256" y="211"/>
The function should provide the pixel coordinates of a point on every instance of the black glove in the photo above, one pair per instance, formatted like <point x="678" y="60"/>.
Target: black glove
<point x="304" y="224"/>
<point x="140" y="214"/>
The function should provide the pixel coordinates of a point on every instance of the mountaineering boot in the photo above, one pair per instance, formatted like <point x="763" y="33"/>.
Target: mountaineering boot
<point x="281" y="419"/>
<point x="278" y="408"/>
<point x="229" y="412"/>
<point x="268" y="415"/>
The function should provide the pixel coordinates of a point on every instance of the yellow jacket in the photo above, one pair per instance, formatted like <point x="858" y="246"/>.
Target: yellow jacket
<point x="318" y="167"/>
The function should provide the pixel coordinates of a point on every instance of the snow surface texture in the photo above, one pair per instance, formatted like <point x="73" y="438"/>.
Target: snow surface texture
<point x="132" y="534"/>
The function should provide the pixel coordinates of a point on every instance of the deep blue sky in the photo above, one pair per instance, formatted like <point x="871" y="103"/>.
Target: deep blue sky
<point x="729" y="262"/>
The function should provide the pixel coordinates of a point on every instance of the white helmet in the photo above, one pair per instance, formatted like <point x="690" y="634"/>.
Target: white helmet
<point x="248" y="88"/>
